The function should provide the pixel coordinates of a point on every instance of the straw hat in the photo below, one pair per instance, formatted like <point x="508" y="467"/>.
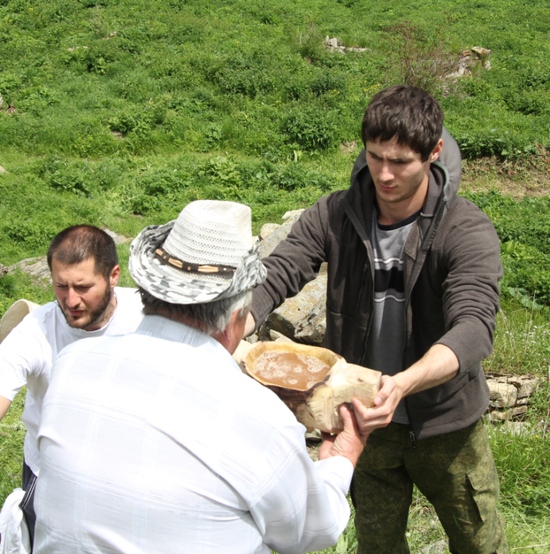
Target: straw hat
<point x="14" y="314"/>
<point x="207" y="253"/>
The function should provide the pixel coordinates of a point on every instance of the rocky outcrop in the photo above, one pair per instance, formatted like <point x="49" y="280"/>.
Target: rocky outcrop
<point x="475" y="57"/>
<point x="335" y="45"/>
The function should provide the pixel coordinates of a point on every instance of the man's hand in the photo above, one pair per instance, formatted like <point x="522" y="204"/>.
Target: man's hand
<point x="348" y="443"/>
<point x="385" y="404"/>
<point x="437" y="366"/>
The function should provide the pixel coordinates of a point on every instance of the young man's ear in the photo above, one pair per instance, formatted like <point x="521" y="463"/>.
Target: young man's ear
<point x="436" y="151"/>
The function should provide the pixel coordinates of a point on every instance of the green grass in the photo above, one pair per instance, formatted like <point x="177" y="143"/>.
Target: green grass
<point x="12" y="433"/>
<point x="124" y="111"/>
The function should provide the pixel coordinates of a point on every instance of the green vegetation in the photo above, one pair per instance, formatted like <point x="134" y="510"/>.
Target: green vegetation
<point x="118" y="113"/>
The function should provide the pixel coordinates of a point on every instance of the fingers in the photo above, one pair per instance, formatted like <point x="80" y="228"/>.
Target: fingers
<point x="348" y="443"/>
<point x="387" y="387"/>
<point x="369" y="419"/>
<point x="350" y="422"/>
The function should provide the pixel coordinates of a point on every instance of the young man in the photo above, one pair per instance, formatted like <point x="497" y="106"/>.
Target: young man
<point x="157" y="442"/>
<point x="412" y="291"/>
<point x="84" y="265"/>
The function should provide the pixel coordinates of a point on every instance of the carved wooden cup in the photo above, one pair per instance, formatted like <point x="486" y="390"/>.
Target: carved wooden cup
<point x="311" y="381"/>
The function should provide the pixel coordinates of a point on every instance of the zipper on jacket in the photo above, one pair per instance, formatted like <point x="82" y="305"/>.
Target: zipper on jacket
<point x="362" y="287"/>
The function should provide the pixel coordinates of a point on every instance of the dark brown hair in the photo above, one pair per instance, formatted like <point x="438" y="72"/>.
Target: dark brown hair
<point x="81" y="242"/>
<point x="405" y="113"/>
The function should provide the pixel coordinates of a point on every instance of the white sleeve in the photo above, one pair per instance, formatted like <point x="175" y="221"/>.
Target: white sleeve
<point x="21" y="355"/>
<point x="304" y="506"/>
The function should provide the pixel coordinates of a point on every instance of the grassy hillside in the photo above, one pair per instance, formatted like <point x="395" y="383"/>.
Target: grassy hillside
<point x="117" y="113"/>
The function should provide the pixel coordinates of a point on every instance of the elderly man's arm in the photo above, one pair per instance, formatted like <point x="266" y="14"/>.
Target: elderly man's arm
<point x="306" y="506"/>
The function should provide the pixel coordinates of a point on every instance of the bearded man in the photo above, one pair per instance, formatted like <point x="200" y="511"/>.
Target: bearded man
<point x="84" y="265"/>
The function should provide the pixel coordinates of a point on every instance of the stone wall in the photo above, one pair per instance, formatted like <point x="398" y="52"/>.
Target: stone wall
<point x="510" y="396"/>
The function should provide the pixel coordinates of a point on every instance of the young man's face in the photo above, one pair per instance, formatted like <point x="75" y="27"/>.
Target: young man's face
<point x="399" y="174"/>
<point x="85" y="297"/>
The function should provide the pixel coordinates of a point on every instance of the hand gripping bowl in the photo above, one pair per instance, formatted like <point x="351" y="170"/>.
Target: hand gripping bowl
<point x="311" y="381"/>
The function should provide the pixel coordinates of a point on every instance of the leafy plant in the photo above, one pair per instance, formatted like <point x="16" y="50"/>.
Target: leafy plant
<point x="294" y="176"/>
<point x="310" y="129"/>
<point x="309" y="42"/>
<point x="221" y="170"/>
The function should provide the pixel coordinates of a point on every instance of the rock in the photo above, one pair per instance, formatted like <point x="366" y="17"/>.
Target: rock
<point x="276" y="234"/>
<point x="292" y="216"/>
<point x="119" y="239"/>
<point x="302" y="317"/>
<point x="481" y="53"/>
<point x="475" y="56"/>
<point x="507" y="415"/>
<point x="503" y="395"/>
<point x="267" y="229"/>
<point x="35" y="267"/>
<point x="2" y="170"/>
<point x="334" y="45"/>
<point x="527" y="386"/>
<point x="510" y="395"/>
<point x="348" y="147"/>
<point x="332" y="42"/>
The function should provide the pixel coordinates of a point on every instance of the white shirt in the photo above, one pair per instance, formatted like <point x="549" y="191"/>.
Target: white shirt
<point x="27" y="354"/>
<point x="157" y="442"/>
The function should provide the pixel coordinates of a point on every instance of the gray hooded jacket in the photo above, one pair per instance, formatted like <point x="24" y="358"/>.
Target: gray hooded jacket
<point x="451" y="272"/>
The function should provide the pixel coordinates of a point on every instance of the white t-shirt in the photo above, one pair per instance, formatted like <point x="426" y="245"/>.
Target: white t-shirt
<point x="157" y="442"/>
<point x="27" y="353"/>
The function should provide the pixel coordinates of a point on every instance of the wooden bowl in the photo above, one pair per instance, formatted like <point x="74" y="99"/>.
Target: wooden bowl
<point x="310" y="380"/>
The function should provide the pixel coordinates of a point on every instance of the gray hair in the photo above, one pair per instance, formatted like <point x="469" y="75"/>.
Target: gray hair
<point x="210" y="317"/>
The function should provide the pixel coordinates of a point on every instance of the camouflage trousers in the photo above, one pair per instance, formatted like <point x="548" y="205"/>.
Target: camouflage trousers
<point x="456" y="472"/>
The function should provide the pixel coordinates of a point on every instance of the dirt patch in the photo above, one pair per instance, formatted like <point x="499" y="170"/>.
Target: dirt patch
<point x="527" y="179"/>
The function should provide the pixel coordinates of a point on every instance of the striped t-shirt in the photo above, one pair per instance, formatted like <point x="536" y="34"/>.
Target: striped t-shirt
<point x="387" y="335"/>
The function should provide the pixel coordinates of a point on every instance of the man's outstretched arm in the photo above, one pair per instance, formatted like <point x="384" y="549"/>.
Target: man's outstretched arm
<point x="437" y="366"/>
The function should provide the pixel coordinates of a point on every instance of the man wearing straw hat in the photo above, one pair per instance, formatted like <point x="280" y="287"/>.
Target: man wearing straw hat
<point x="84" y="265"/>
<point x="157" y="442"/>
